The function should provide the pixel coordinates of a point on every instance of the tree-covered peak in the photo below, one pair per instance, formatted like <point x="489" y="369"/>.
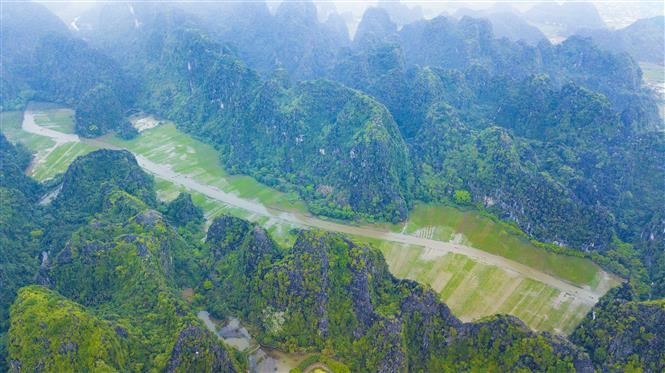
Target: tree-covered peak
<point x="90" y="179"/>
<point x="51" y="333"/>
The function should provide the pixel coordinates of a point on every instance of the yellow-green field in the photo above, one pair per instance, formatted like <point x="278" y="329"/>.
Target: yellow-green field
<point x="445" y="223"/>
<point x="471" y="289"/>
<point x="50" y="159"/>
<point x="166" y="145"/>
<point x="10" y="125"/>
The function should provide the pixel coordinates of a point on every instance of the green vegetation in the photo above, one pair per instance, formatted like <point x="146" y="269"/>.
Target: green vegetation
<point x="318" y="359"/>
<point x="446" y="223"/>
<point x="579" y="164"/>
<point x="99" y="111"/>
<point x="118" y="266"/>
<point x="623" y="334"/>
<point x="50" y="160"/>
<point x="165" y="144"/>
<point x="52" y="333"/>
<point x="328" y="293"/>
<point x="20" y="231"/>
<point x="561" y="140"/>
<point x="11" y="127"/>
<point x="112" y="253"/>
<point x="57" y="161"/>
<point x="54" y="117"/>
<point x="473" y="290"/>
<point x="182" y="211"/>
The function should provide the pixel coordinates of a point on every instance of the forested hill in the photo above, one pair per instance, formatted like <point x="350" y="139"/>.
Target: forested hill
<point x="644" y="40"/>
<point x="107" y="296"/>
<point x="561" y="139"/>
<point x="109" y="266"/>
<point x="43" y="61"/>
<point x="525" y="132"/>
<point x="470" y="42"/>
<point x="622" y="333"/>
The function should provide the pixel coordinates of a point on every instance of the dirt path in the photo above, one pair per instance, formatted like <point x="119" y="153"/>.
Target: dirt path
<point x="29" y="125"/>
<point x="585" y="295"/>
<point x="303" y="220"/>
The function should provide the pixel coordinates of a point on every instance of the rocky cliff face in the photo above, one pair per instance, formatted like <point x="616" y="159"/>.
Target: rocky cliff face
<point x="196" y="350"/>
<point x="327" y="292"/>
<point x="621" y="333"/>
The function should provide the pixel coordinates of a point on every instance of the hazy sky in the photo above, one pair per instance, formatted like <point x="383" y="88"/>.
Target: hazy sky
<point x="616" y="13"/>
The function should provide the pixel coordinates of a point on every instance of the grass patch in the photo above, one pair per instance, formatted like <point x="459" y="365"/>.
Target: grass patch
<point x="447" y="223"/>
<point x="57" y="119"/>
<point x="59" y="160"/>
<point x="10" y="125"/>
<point x="165" y="144"/>
<point x="474" y="290"/>
<point x="49" y="161"/>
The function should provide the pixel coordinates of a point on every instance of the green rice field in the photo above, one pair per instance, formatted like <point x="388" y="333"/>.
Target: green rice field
<point x="471" y="289"/>
<point x="166" y="145"/>
<point x="446" y="223"/>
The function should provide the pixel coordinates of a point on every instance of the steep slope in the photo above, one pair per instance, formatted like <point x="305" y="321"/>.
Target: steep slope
<point x="90" y="180"/>
<point x="113" y="302"/>
<point x="51" y="333"/>
<point x="566" y="17"/>
<point x="42" y="61"/>
<point x="339" y="148"/>
<point x="643" y="40"/>
<point x="327" y="292"/>
<point x="574" y="150"/>
<point x="292" y="39"/>
<point x="401" y="13"/>
<point x="22" y="25"/>
<point x="506" y="23"/>
<point x="375" y="28"/>
<point x="622" y="334"/>
<point x="20" y="230"/>
<point x="68" y="71"/>
<point x="124" y="263"/>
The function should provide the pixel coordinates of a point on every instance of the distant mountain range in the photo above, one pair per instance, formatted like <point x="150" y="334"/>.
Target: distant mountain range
<point x="562" y="140"/>
<point x="644" y="40"/>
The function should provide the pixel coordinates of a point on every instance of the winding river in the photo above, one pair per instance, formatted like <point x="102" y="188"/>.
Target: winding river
<point x="164" y="171"/>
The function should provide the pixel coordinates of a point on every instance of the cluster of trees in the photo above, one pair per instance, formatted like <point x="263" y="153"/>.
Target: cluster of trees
<point x="561" y="139"/>
<point x="105" y="293"/>
<point x="328" y="294"/>
<point x="106" y="266"/>
<point x="622" y="333"/>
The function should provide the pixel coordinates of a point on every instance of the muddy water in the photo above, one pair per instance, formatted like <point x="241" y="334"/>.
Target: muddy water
<point x="29" y="125"/>
<point x="260" y="359"/>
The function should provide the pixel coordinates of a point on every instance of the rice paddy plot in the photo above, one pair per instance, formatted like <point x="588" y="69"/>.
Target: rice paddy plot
<point x="284" y="234"/>
<point x="473" y="290"/>
<point x="49" y="158"/>
<point x="59" y="159"/>
<point x="10" y="125"/>
<point x="165" y="144"/>
<point x="446" y="223"/>
<point x="54" y="117"/>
